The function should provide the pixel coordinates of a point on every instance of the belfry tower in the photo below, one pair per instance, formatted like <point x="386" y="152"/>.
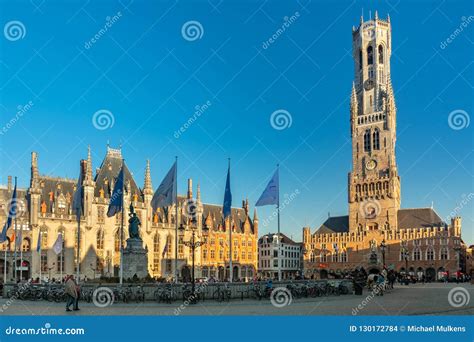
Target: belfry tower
<point x="374" y="184"/>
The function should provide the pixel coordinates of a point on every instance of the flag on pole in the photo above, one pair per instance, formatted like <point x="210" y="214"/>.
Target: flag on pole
<point x="165" y="249"/>
<point x="77" y="199"/>
<point x="226" y="208"/>
<point x="58" y="245"/>
<point x="271" y="194"/>
<point x="3" y="235"/>
<point x="116" y="200"/>
<point x="19" y="238"/>
<point x="166" y="193"/>
<point x="13" y="208"/>
<point x="38" y="245"/>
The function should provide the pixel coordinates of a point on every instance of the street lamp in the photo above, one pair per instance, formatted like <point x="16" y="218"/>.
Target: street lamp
<point x="383" y="246"/>
<point x="193" y="244"/>
<point x="49" y="270"/>
<point x="406" y="254"/>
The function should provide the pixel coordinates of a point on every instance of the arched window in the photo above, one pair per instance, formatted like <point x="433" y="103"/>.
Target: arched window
<point x="443" y="254"/>
<point x="156" y="243"/>
<point x="367" y="141"/>
<point x="344" y="256"/>
<point x="430" y="254"/>
<point x="334" y="257"/>
<point x="100" y="240"/>
<point x="360" y="59"/>
<point x="117" y="241"/>
<point x="417" y="254"/>
<point x="376" y="140"/>
<point x="380" y="54"/>
<point x="370" y="55"/>
<point x="60" y="260"/>
<point x="322" y="257"/>
<point x="26" y="245"/>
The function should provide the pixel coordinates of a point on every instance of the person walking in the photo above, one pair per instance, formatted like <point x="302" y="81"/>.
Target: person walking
<point x="72" y="293"/>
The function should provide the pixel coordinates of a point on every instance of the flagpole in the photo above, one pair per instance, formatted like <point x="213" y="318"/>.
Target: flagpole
<point x="231" y="271"/>
<point x="61" y="268"/>
<point x="278" y="211"/>
<point x="78" y="252"/>
<point x="39" y="254"/>
<point x="21" y="252"/>
<point x="121" y="225"/>
<point x="176" y="221"/>
<point x="16" y="239"/>
<point x="5" y="265"/>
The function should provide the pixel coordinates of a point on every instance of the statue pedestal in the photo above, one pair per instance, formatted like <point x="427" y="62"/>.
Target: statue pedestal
<point x="135" y="259"/>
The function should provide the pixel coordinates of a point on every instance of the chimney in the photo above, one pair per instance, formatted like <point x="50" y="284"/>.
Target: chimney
<point x="9" y="187"/>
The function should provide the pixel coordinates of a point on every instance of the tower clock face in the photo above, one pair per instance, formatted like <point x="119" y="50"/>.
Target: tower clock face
<point x="369" y="84"/>
<point x="371" y="164"/>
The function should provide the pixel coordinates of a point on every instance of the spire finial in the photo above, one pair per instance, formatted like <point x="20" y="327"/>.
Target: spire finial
<point x="198" y="193"/>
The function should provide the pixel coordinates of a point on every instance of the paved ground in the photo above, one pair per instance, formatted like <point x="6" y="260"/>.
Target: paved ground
<point x="418" y="299"/>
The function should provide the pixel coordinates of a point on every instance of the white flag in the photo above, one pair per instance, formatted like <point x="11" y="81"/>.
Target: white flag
<point x="58" y="245"/>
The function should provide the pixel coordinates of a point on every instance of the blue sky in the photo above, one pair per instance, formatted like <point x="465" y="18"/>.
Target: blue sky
<point x="150" y="78"/>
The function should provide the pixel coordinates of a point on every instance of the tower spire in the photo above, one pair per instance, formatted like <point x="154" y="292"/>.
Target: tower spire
<point x="147" y="187"/>
<point x="34" y="181"/>
<point x="198" y="193"/>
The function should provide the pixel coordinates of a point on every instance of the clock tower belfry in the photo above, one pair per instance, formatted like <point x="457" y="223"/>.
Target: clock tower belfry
<point x="374" y="183"/>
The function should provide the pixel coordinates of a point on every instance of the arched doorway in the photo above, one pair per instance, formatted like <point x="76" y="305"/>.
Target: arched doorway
<point x="186" y="274"/>
<point x="323" y="274"/>
<point x="220" y="273"/>
<point x="441" y="273"/>
<point x="420" y="273"/>
<point x="430" y="274"/>
<point x="235" y="273"/>
<point x="374" y="270"/>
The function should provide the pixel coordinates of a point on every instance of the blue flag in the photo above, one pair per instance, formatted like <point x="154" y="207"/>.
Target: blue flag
<point x="227" y="196"/>
<point x="165" y="195"/>
<point x="77" y="199"/>
<point x="13" y="208"/>
<point x="38" y="246"/>
<point x="271" y="194"/>
<point x="116" y="200"/>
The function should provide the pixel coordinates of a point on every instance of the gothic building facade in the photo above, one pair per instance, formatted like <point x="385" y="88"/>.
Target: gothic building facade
<point x="377" y="230"/>
<point x="45" y="209"/>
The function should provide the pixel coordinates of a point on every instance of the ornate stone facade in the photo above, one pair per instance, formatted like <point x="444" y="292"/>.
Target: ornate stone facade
<point x="413" y="238"/>
<point x="47" y="208"/>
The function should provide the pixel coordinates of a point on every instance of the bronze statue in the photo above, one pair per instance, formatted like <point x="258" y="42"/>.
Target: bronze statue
<point x="133" y="224"/>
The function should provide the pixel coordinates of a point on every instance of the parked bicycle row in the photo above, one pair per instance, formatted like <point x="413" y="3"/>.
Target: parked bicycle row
<point x="169" y="293"/>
